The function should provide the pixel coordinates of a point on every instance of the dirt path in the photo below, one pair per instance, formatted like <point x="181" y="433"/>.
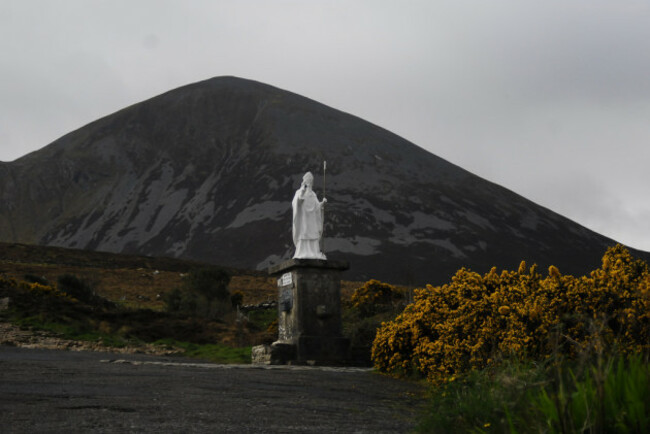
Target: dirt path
<point x="58" y="391"/>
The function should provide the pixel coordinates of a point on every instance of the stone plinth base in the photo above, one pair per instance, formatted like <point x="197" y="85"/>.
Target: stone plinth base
<point x="274" y="354"/>
<point x="310" y="350"/>
<point x="323" y="350"/>
<point x="309" y="315"/>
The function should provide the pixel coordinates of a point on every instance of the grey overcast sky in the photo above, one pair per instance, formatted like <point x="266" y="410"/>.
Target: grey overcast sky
<point x="550" y="99"/>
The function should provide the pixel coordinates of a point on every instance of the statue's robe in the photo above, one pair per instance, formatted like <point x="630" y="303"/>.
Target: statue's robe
<point x="307" y="224"/>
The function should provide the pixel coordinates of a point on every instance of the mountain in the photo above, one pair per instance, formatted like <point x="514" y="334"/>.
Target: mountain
<point x="207" y="172"/>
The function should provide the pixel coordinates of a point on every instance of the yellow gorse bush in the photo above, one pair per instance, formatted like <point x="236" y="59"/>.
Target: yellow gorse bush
<point x="476" y="319"/>
<point x="39" y="289"/>
<point x="374" y="296"/>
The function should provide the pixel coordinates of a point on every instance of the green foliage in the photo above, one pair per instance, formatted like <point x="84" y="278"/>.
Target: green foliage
<point x="612" y="397"/>
<point x="370" y="305"/>
<point x="237" y="298"/>
<point x="362" y="329"/>
<point x="599" y="396"/>
<point x="204" y="293"/>
<point x="210" y="283"/>
<point x="180" y="301"/>
<point x="213" y="352"/>
<point x="262" y="319"/>
<point x="36" y="306"/>
<point x="81" y="289"/>
<point x="78" y="331"/>
<point x="482" y="401"/>
<point x="172" y="300"/>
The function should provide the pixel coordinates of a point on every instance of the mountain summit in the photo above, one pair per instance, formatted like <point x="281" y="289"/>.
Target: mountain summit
<point x="207" y="171"/>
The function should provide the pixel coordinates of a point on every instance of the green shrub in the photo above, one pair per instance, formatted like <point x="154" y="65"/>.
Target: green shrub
<point x="237" y="299"/>
<point x="81" y="289"/>
<point x="210" y="283"/>
<point x="204" y="293"/>
<point x="173" y="300"/>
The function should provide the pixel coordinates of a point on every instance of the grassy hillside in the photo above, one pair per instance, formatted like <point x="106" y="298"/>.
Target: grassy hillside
<point x="132" y="281"/>
<point x="127" y="308"/>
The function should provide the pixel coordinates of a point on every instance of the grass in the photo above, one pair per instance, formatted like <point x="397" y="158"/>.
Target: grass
<point x="73" y="331"/>
<point x="261" y="319"/>
<point x="611" y="396"/>
<point x="95" y="320"/>
<point x="216" y="353"/>
<point x="480" y="401"/>
<point x="132" y="281"/>
<point x="602" y="396"/>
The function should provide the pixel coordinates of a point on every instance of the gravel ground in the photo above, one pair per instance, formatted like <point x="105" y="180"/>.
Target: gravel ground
<point x="49" y="391"/>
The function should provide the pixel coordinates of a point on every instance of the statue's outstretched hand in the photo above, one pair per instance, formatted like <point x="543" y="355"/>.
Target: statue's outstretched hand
<point x="324" y="201"/>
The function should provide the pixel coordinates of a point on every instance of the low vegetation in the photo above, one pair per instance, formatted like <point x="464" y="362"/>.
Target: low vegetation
<point x="204" y="293"/>
<point x="516" y="351"/>
<point x="476" y="321"/>
<point x="365" y="309"/>
<point x="509" y="351"/>
<point x="71" y="309"/>
<point x="604" y="395"/>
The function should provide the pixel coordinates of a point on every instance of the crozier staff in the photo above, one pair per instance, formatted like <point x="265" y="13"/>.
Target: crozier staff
<point x="307" y="226"/>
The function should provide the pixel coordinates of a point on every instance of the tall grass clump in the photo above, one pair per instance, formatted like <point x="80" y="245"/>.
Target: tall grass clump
<point x="603" y="395"/>
<point x="518" y="351"/>
<point x="488" y="400"/>
<point x="611" y="396"/>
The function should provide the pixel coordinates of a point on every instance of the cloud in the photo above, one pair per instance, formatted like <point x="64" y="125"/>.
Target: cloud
<point x="550" y="99"/>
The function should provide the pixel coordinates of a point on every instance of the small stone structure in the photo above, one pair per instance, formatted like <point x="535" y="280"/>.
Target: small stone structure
<point x="309" y="315"/>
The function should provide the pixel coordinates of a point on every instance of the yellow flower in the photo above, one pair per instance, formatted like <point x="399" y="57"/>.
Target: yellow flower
<point x="504" y="310"/>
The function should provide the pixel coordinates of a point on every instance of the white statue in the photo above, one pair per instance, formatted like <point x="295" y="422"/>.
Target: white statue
<point x="307" y="220"/>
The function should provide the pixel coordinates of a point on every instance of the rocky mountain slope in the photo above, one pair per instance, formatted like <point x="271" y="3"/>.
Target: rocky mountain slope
<point x="207" y="172"/>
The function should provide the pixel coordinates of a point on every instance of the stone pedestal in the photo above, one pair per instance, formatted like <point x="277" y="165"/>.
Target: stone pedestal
<point x="309" y="314"/>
